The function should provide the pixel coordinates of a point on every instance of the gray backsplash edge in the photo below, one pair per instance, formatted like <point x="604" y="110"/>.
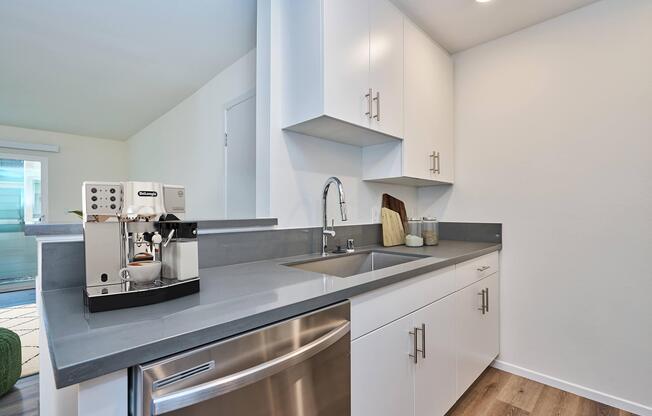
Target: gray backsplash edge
<point x="38" y="230"/>
<point x="63" y="262"/>
<point x="471" y="231"/>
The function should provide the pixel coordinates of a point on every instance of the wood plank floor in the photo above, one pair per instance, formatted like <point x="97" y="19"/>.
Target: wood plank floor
<point x="22" y="399"/>
<point x="497" y="393"/>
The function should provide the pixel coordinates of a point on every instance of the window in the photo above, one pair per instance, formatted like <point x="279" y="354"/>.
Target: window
<point x="21" y="202"/>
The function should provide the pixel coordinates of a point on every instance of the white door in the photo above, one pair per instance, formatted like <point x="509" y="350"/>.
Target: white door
<point x="382" y="372"/>
<point x="386" y="67"/>
<point x="346" y="60"/>
<point x="477" y="332"/>
<point x="420" y="68"/>
<point x="240" y="158"/>
<point x="435" y="373"/>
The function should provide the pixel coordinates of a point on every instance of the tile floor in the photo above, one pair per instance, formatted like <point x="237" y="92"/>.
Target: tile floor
<point x="23" y="320"/>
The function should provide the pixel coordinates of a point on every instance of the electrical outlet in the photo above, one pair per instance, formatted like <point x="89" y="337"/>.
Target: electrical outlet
<point x="375" y="215"/>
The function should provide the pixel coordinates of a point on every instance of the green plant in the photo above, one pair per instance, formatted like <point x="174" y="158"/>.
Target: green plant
<point x="78" y="213"/>
<point x="10" y="359"/>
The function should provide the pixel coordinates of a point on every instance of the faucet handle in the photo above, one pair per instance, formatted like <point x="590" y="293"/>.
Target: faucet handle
<point x="332" y="230"/>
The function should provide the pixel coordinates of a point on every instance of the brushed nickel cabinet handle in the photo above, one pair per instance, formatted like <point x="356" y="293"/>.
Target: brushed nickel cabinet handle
<point x="416" y="350"/>
<point x="377" y="100"/>
<point x="486" y="305"/>
<point x="369" y="107"/>
<point x="435" y="165"/>
<point x="423" y="340"/>
<point x="483" y="308"/>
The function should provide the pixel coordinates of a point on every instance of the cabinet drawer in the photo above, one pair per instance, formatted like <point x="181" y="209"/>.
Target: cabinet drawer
<point x="471" y="271"/>
<point x="372" y="310"/>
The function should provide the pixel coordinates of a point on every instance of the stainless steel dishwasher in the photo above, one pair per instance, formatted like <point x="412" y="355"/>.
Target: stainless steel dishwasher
<point x="298" y="367"/>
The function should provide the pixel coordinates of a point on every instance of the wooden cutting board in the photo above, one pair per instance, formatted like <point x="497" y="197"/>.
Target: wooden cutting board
<point x="396" y="205"/>
<point x="393" y="232"/>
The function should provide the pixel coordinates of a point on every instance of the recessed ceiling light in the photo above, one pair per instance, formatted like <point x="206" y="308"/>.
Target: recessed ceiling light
<point x="483" y="1"/>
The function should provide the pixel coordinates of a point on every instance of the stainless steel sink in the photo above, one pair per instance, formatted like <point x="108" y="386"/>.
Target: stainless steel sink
<point x="353" y="264"/>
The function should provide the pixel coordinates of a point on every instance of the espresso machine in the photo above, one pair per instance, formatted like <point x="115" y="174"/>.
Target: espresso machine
<point x="138" y="249"/>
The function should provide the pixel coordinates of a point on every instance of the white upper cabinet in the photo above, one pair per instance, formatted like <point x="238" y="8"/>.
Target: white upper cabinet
<point x="428" y="149"/>
<point x="442" y="135"/>
<point x="386" y="67"/>
<point x="343" y="70"/>
<point x="346" y="60"/>
<point x="360" y="72"/>
<point x="426" y="153"/>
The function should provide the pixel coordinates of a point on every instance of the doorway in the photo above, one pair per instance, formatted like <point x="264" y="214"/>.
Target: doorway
<point x="23" y="200"/>
<point x="240" y="157"/>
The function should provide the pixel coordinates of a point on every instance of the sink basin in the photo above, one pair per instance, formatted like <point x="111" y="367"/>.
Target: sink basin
<point x="353" y="264"/>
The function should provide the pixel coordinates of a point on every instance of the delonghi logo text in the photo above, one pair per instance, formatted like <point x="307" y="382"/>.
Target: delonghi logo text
<point x="148" y="193"/>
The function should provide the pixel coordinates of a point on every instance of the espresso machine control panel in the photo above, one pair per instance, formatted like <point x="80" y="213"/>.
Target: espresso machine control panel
<point x="102" y="198"/>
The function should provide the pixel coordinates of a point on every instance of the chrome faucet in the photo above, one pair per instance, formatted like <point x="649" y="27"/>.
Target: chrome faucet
<point x="325" y="232"/>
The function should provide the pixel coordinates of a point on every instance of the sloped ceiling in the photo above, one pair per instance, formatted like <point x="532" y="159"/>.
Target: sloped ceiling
<point x="108" y="68"/>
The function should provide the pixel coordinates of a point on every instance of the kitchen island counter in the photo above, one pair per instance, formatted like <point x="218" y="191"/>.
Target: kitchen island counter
<point x="233" y="299"/>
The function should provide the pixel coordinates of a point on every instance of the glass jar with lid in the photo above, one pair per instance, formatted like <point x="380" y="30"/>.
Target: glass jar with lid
<point x="430" y="231"/>
<point x="413" y="236"/>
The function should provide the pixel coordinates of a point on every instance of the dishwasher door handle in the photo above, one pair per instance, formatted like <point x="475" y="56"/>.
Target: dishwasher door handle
<point x="215" y="388"/>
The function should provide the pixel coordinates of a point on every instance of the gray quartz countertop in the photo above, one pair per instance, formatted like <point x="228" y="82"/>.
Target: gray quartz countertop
<point x="233" y="299"/>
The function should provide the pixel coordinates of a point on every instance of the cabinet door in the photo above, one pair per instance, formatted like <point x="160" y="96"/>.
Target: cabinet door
<point x="435" y="373"/>
<point x="477" y="333"/>
<point x="428" y="108"/>
<point x="382" y="372"/>
<point x="386" y="66"/>
<point x="346" y="60"/>
<point x="442" y="114"/>
<point x="420" y="90"/>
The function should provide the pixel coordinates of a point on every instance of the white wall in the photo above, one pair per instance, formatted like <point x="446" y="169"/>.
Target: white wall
<point x="554" y="140"/>
<point x="80" y="158"/>
<point x="299" y="165"/>
<point x="185" y="146"/>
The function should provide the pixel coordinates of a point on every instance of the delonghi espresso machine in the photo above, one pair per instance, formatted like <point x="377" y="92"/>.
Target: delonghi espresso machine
<point x="138" y="249"/>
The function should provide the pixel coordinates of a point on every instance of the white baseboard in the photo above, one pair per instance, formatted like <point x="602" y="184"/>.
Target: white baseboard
<point x="582" y="391"/>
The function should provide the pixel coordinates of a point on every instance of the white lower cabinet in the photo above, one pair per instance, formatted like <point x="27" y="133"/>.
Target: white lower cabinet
<point x="420" y="363"/>
<point x="478" y="331"/>
<point x="408" y="366"/>
<point x="434" y="374"/>
<point x="382" y="375"/>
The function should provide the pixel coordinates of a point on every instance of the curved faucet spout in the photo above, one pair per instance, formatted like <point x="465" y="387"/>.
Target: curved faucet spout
<point x="340" y="191"/>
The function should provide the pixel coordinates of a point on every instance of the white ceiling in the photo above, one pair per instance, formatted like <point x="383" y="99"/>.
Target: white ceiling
<point x="460" y="24"/>
<point x="109" y="68"/>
